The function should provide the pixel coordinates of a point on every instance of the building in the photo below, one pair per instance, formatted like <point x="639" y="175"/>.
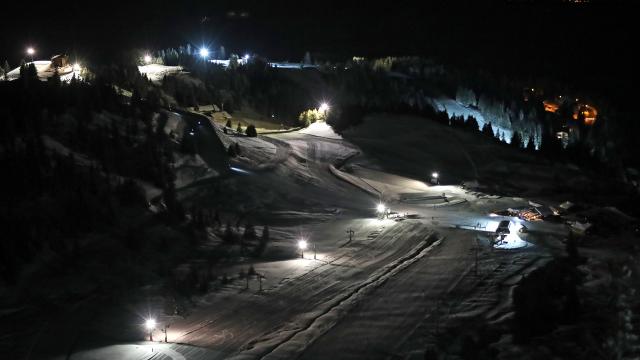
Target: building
<point x="59" y="61"/>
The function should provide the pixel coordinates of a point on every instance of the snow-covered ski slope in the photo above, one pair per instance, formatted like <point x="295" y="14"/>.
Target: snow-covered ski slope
<point x="364" y="297"/>
<point x="45" y="71"/>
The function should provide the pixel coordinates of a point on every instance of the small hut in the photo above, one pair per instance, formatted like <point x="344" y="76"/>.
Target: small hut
<point x="59" y="61"/>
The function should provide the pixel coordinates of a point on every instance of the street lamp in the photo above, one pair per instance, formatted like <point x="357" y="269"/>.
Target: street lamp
<point x="204" y="53"/>
<point x="324" y="107"/>
<point x="30" y="52"/>
<point x="381" y="208"/>
<point x="302" y="245"/>
<point x="434" y="177"/>
<point x="77" y="67"/>
<point x="147" y="59"/>
<point x="150" y="324"/>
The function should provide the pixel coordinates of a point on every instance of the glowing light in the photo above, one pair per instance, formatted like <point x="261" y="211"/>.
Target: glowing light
<point x="246" y="57"/>
<point x="550" y="106"/>
<point x="324" y="107"/>
<point x="302" y="244"/>
<point x="381" y="208"/>
<point x="435" y="175"/>
<point x="238" y="170"/>
<point x="31" y="51"/>
<point x="150" y="324"/>
<point x="77" y="67"/>
<point x="204" y="52"/>
<point x="147" y="59"/>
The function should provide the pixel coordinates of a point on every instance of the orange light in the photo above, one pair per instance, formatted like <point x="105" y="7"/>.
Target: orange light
<point x="550" y="106"/>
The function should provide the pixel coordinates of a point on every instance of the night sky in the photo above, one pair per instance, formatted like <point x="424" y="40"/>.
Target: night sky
<point x="584" y="44"/>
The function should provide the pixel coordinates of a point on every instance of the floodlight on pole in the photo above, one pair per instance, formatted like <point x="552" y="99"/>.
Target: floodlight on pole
<point x="77" y="67"/>
<point x="435" y="178"/>
<point x="302" y="245"/>
<point x="246" y="57"/>
<point x="324" y="107"/>
<point x="30" y="52"/>
<point x="204" y="53"/>
<point x="147" y="59"/>
<point x="150" y="324"/>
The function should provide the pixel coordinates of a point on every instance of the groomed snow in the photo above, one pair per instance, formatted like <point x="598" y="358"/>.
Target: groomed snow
<point x="321" y="129"/>
<point x="155" y="72"/>
<point x="43" y="67"/>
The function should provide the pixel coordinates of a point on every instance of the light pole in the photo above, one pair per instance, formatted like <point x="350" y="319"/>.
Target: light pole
<point x="150" y="324"/>
<point x="350" y="232"/>
<point x="164" y="330"/>
<point x="260" y="277"/>
<point x="302" y="245"/>
<point x="381" y="210"/>
<point x="30" y="52"/>
<point x="324" y="108"/>
<point x="435" y="178"/>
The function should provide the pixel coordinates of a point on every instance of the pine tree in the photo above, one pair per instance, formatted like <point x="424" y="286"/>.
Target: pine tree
<point x="32" y="72"/>
<point x="472" y="124"/>
<point x="54" y="80"/>
<point x="239" y="128"/>
<point x="264" y="239"/>
<point x="233" y="61"/>
<point x="516" y="140"/>
<point x="228" y="124"/>
<point x="228" y="236"/>
<point x="531" y="147"/>
<point x="251" y="131"/>
<point x="487" y="130"/>
<point x="249" y="232"/>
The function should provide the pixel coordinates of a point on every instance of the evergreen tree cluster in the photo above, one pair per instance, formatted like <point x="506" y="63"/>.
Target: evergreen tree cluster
<point x="53" y="195"/>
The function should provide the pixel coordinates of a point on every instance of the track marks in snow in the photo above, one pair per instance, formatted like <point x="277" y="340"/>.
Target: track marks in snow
<point x="290" y="342"/>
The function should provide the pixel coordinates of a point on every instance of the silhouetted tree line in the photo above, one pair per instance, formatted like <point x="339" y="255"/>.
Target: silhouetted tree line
<point x="267" y="90"/>
<point x="51" y="196"/>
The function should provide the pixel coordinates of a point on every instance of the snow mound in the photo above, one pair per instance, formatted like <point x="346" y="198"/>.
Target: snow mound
<point x="321" y="129"/>
<point x="155" y="72"/>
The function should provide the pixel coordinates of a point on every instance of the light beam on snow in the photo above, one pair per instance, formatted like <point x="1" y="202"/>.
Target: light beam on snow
<point x="233" y="168"/>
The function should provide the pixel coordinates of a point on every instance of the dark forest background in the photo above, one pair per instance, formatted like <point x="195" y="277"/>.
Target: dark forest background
<point x="586" y="44"/>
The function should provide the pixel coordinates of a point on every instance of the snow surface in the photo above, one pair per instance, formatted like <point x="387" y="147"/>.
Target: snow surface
<point x="142" y="351"/>
<point x="155" y="72"/>
<point x="361" y="297"/>
<point x="322" y="129"/>
<point x="44" y="70"/>
<point x="454" y="108"/>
